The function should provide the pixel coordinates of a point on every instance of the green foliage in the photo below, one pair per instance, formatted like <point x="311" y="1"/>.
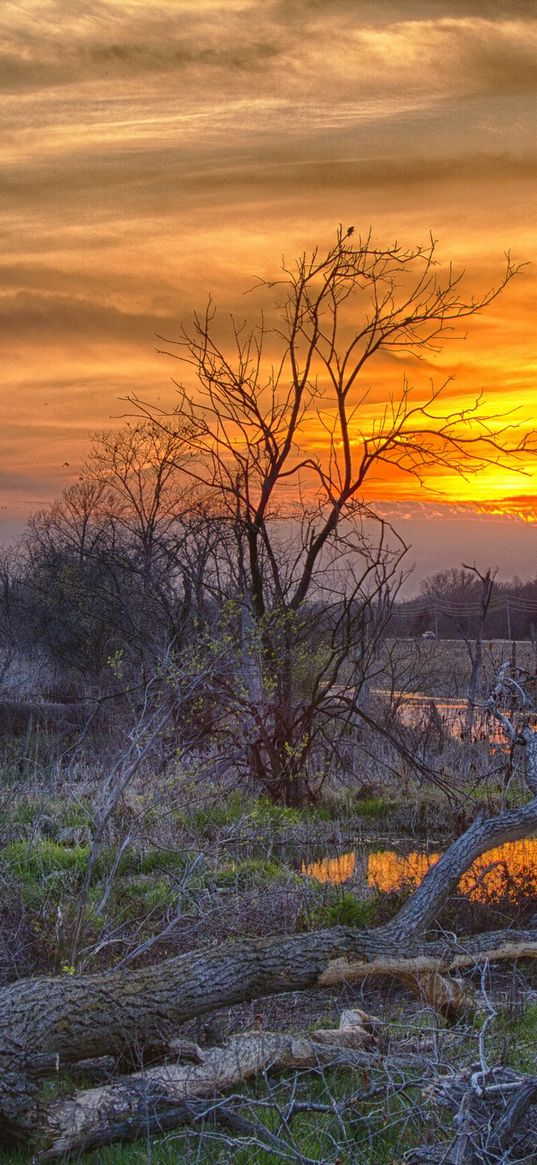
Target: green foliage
<point x="36" y="861"/>
<point x="261" y="812"/>
<point x="132" y="899"/>
<point x="45" y="870"/>
<point x="216" y="815"/>
<point x="339" y="908"/>
<point x="250" y="872"/>
<point x="388" y="1130"/>
<point x="10" y="777"/>
<point x="53" y="866"/>
<point x="153" y="861"/>
<point x="24" y="812"/>
<point x="48" y="813"/>
<point x="326" y="811"/>
<point x="374" y="807"/>
<point x="265" y="812"/>
<point x="73" y="814"/>
<point x="520" y="1036"/>
<point x="133" y="861"/>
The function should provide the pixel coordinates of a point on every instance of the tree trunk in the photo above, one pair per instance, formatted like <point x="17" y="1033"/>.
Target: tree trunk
<point x="476" y="652"/>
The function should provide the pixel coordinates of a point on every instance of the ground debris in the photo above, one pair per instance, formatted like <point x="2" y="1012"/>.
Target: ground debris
<point x="494" y="1118"/>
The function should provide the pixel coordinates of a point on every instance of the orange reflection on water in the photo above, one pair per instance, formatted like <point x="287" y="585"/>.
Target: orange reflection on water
<point x="387" y="870"/>
<point x="335" y="870"/>
<point x="498" y="872"/>
<point x="516" y="867"/>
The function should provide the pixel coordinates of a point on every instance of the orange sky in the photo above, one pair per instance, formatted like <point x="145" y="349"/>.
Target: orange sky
<point x="152" y="152"/>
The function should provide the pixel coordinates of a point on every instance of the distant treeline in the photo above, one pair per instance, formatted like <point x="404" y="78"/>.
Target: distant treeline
<point x="449" y="604"/>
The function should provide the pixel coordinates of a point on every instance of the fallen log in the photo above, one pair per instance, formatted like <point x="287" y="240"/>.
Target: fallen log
<point x="88" y="1016"/>
<point x="126" y="1108"/>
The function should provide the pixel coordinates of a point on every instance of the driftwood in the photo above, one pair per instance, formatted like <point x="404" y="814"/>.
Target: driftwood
<point x="162" y="1095"/>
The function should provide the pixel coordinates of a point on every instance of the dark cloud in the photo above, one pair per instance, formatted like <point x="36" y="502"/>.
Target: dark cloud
<point x="299" y="48"/>
<point x="71" y="66"/>
<point x="495" y="60"/>
<point x="392" y="11"/>
<point x="122" y="46"/>
<point x="54" y="318"/>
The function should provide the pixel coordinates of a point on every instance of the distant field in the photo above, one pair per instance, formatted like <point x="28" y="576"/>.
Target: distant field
<point x="441" y="667"/>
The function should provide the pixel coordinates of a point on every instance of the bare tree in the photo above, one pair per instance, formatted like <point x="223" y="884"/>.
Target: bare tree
<point x="108" y="568"/>
<point x="297" y="506"/>
<point x="70" y="595"/>
<point x="463" y="597"/>
<point x="475" y="649"/>
<point x="136" y="469"/>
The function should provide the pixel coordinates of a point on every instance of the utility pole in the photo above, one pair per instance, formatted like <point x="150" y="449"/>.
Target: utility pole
<point x="508" y="611"/>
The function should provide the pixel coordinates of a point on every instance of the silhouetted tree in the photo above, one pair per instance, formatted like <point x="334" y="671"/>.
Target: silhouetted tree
<point x="296" y="506"/>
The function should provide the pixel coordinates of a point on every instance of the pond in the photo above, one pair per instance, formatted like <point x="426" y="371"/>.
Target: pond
<point x="504" y="871"/>
<point x="417" y="710"/>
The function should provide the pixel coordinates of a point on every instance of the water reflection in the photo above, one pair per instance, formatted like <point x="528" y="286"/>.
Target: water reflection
<point x="334" y="870"/>
<point x="418" y="710"/>
<point x="505" y="870"/>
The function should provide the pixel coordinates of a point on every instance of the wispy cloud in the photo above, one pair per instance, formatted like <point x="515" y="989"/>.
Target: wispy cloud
<point x="311" y="45"/>
<point x="153" y="153"/>
<point x="515" y="508"/>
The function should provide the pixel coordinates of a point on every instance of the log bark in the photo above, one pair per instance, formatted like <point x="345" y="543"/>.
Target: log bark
<point x="88" y="1016"/>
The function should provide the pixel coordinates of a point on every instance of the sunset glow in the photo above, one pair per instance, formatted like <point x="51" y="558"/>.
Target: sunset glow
<point x="154" y="154"/>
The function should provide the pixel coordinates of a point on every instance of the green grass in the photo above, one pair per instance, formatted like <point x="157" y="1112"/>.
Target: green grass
<point x="264" y="812"/>
<point x="339" y="908"/>
<point x="153" y="861"/>
<point x="37" y="860"/>
<point x="520" y="1039"/>
<point x="50" y="874"/>
<point x="250" y="872"/>
<point x="388" y="1128"/>
<point x="259" y="812"/>
<point x="133" y="899"/>
<point x="49" y="813"/>
<point x="33" y="862"/>
<point x="227" y="811"/>
<point x="378" y="808"/>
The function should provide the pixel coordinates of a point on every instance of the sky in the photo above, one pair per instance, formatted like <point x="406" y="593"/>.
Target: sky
<point x="155" y="152"/>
